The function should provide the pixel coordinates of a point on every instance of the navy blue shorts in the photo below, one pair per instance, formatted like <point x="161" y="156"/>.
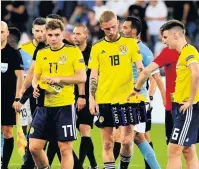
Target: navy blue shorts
<point x="84" y="116"/>
<point x="186" y="125"/>
<point x="52" y="123"/>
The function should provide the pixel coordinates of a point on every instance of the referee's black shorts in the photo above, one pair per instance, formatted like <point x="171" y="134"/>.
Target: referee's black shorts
<point x="84" y="116"/>
<point x="8" y="114"/>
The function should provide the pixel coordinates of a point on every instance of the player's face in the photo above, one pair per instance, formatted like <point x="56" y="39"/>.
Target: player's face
<point x="168" y="39"/>
<point x="79" y="35"/>
<point x="110" y="29"/>
<point x="39" y="33"/>
<point x="4" y="33"/>
<point x="54" y="38"/>
<point x="126" y="28"/>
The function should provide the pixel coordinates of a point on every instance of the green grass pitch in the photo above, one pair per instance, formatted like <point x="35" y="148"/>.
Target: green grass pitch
<point x="157" y="135"/>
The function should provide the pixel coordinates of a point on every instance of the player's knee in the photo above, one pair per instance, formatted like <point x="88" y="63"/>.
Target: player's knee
<point x="108" y="146"/>
<point x="85" y="130"/>
<point x="126" y="143"/>
<point x="7" y="133"/>
<point x="139" y="138"/>
<point x="66" y="149"/>
<point x="34" y="149"/>
<point x="174" y="150"/>
<point x="189" y="152"/>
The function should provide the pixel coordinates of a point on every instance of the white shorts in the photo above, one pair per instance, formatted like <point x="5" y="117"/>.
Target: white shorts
<point x="25" y="114"/>
<point x="140" y="128"/>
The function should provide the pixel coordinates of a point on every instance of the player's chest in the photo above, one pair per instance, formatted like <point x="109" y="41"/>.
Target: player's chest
<point x="57" y="64"/>
<point x="114" y="55"/>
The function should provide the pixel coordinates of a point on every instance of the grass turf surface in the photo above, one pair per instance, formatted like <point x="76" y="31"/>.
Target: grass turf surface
<point x="159" y="143"/>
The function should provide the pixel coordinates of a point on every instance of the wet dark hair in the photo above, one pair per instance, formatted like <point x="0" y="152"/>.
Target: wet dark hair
<point x="135" y="23"/>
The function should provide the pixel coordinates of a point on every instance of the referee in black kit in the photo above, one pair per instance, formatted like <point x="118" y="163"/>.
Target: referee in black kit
<point x="84" y="118"/>
<point x="11" y="83"/>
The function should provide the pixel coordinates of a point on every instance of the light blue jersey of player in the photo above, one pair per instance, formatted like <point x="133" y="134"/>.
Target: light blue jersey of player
<point x="27" y="60"/>
<point x="148" y="57"/>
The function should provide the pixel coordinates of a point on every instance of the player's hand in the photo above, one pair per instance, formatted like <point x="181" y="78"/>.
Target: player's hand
<point x="36" y="92"/>
<point x="18" y="106"/>
<point x="93" y="107"/>
<point x="81" y="102"/>
<point x="185" y="106"/>
<point x="133" y="93"/>
<point x="51" y="80"/>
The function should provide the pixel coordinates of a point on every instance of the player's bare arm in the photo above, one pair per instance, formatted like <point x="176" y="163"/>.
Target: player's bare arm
<point x="161" y="87"/>
<point x="35" y="83"/>
<point x="20" y="79"/>
<point x="81" y="102"/>
<point x="143" y="76"/>
<point x="92" y="90"/>
<point x="194" y="69"/>
<point x="79" y="77"/>
<point x="28" y="79"/>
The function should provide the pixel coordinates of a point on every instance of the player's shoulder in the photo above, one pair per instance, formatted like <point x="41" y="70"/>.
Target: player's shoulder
<point x="127" y="39"/>
<point x="26" y="44"/>
<point x="44" y="49"/>
<point x="188" y="49"/>
<point x="100" y="41"/>
<point x="70" y="46"/>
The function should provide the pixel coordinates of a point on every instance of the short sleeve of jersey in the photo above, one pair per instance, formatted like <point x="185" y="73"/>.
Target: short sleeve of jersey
<point x="37" y="69"/>
<point x="136" y="54"/>
<point x="39" y="46"/>
<point x="165" y="57"/>
<point x="78" y="61"/>
<point x="190" y="56"/>
<point x="93" y="61"/>
<point x="18" y="63"/>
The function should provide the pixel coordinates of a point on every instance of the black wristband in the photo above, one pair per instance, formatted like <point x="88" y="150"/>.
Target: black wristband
<point x="82" y="96"/>
<point x="137" y="90"/>
<point x="151" y="98"/>
<point x="17" y="99"/>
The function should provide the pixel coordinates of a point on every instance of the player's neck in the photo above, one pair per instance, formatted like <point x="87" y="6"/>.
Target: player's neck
<point x="82" y="47"/>
<point x="3" y="44"/>
<point x="114" y="39"/>
<point x="35" y="43"/>
<point x="181" y="44"/>
<point x="58" y="46"/>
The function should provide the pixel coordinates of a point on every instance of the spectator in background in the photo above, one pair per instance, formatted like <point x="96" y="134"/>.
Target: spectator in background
<point x="95" y="33"/>
<point x="88" y="4"/>
<point x="46" y="8"/>
<point x="99" y="8"/>
<point x="120" y="7"/>
<point x="78" y="15"/>
<point x="186" y="12"/>
<point x="18" y="14"/>
<point x="155" y="15"/>
<point x="138" y="10"/>
<point x="66" y="8"/>
<point x="4" y="12"/>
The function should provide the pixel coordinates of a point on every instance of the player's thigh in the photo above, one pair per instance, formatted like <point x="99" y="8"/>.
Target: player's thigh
<point x="175" y="149"/>
<point x="139" y="138"/>
<point x="85" y="130"/>
<point x="107" y="137"/>
<point x="147" y="136"/>
<point x="65" y="123"/>
<point x="36" y="144"/>
<point x="185" y="126"/>
<point x="7" y="131"/>
<point x="65" y="147"/>
<point x="116" y="134"/>
<point x="127" y="134"/>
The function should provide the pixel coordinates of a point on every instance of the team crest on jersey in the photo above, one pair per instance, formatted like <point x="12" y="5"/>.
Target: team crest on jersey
<point x="4" y="67"/>
<point x="101" y="119"/>
<point x="123" y="49"/>
<point x="62" y="59"/>
<point x="31" y="130"/>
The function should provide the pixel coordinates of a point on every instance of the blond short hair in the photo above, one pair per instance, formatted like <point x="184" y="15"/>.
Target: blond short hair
<point x="55" y="24"/>
<point x="107" y="16"/>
